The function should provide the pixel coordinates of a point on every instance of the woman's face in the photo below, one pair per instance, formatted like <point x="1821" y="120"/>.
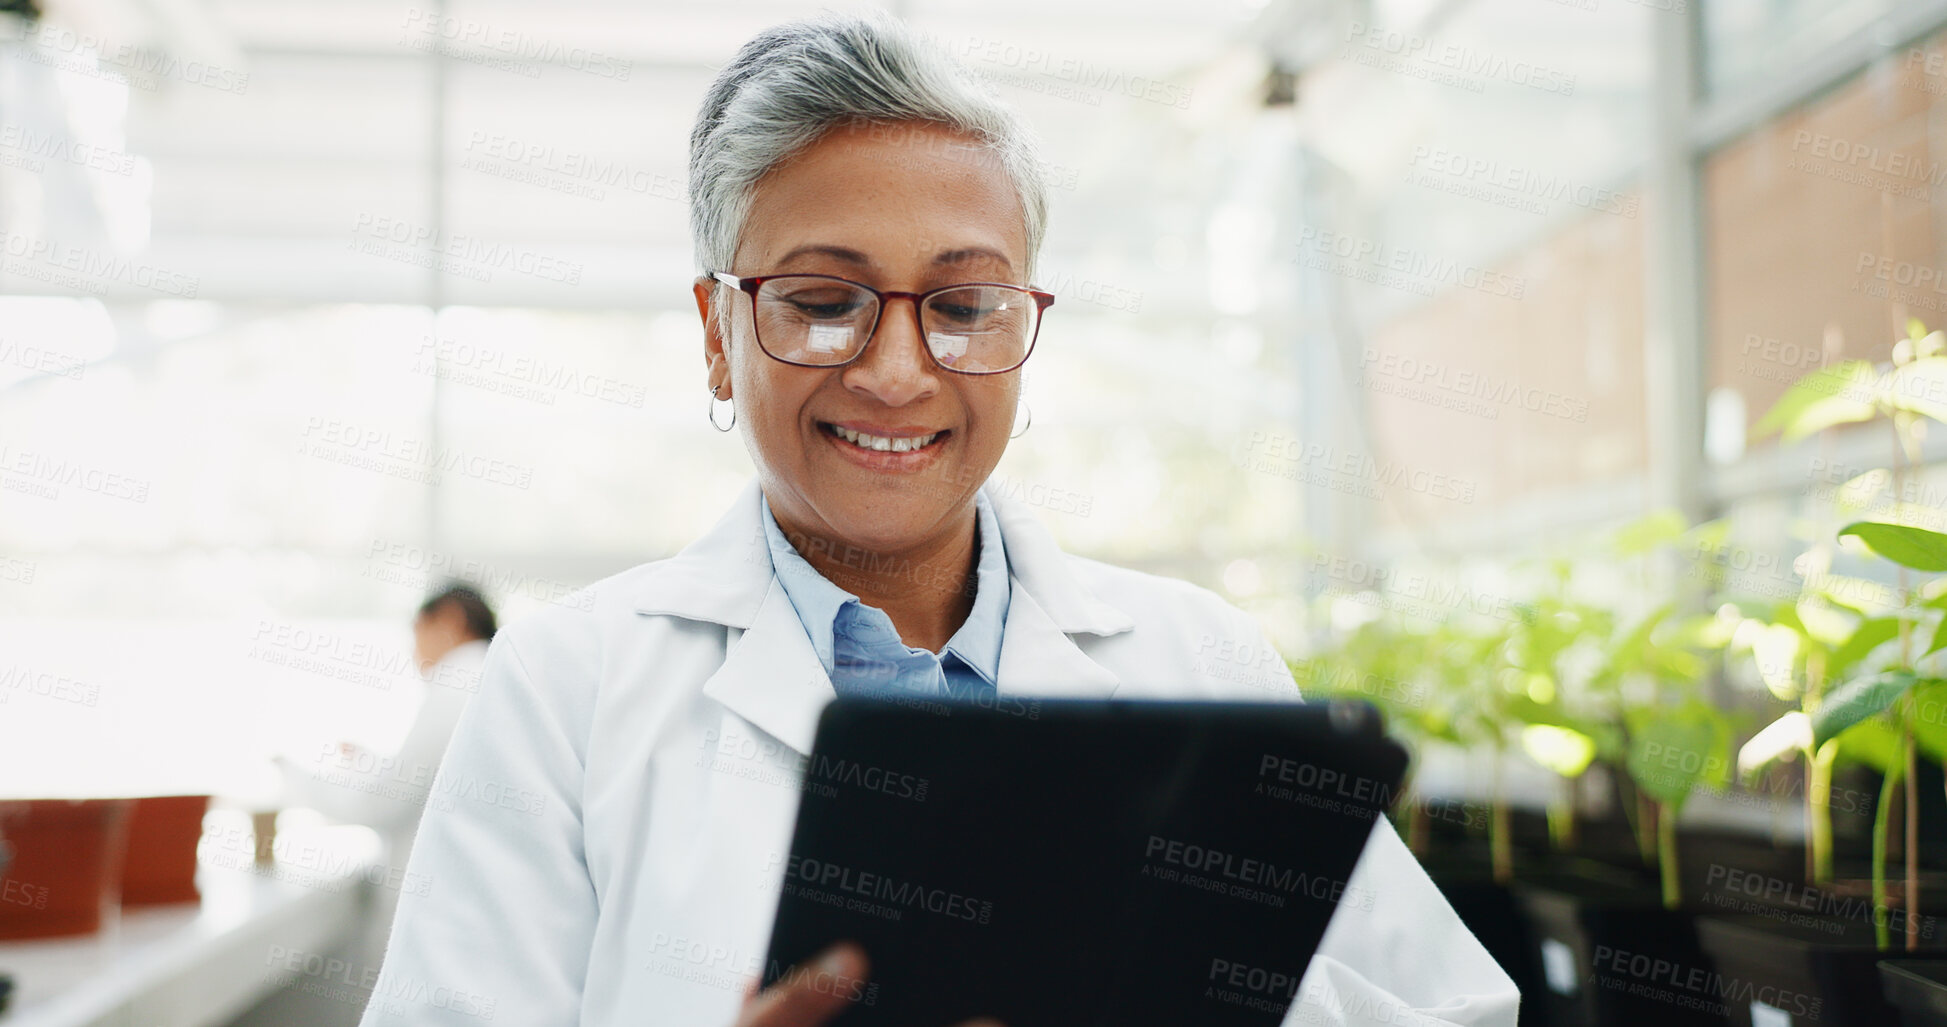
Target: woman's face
<point x="899" y="208"/>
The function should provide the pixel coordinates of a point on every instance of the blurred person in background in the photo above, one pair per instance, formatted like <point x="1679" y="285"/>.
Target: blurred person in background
<point x="866" y="221"/>
<point x="389" y="791"/>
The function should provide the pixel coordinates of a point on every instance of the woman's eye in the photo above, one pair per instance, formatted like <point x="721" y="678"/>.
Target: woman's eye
<point x="824" y="307"/>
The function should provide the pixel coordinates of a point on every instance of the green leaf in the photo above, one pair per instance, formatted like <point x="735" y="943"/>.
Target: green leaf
<point x="1822" y="621"/>
<point x="1920" y="388"/>
<point x="1857" y="700"/>
<point x="1671" y="751"/>
<point x="1930" y="717"/>
<point x="1917" y="548"/>
<point x="1708" y="536"/>
<point x="1861" y="597"/>
<point x="1610" y="740"/>
<point x="1648" y="532"/>
<point x="1840" y="394"/>
<point x="1874" y="743"/>
<point x="1776" y="653"/>
<point x="1869" y="635"/>
<point x="1628" y="651"/>
<point x="1563" y="750"/>
<point x="1525" y="710"/>
<point x="1863" y="489"/>
<point x="1939" y="639"/>
<point x="1788" y="734"/>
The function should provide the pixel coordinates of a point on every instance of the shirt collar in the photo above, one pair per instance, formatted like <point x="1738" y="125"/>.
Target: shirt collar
<point x="819" y="603"/>
<point x="978" y="642"/>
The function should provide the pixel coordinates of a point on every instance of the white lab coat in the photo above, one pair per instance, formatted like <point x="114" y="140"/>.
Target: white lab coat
<point x="388" y="791"/>
<point x="605" y="844"/>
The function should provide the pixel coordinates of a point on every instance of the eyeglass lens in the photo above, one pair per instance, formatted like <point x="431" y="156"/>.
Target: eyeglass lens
<point x="975" y="329"/>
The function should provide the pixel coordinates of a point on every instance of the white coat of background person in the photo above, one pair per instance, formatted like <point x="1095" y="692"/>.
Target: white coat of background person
<point x="389" y="790"/>
<point x="625" y="782"/>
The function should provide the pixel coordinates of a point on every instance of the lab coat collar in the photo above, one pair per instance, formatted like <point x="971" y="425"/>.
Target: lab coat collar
<point x="774" y="678"/>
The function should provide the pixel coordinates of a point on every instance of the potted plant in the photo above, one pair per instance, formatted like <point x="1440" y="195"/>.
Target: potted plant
<point x="1898" y="706"/>
<point x="65" y="866"/>
<point x="1432" y="685"/>
<point x="1641" y="709"/>
<point x="159" y="865"/>
<point x="1918" y="988"/>
<point x="1857" y="702"/>
<point x="1439" y="686"/>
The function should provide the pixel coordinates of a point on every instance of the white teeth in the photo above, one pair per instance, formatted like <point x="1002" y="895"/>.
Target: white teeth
<point x="881" y="443"/>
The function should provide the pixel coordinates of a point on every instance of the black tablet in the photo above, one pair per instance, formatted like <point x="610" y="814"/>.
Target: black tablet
<point x="1073" y="862"/>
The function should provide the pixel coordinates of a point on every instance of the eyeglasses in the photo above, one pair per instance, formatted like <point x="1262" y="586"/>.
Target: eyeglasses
<point x="823" y="321"/>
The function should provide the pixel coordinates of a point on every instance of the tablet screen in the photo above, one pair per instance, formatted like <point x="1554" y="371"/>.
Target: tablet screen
<point x="1076" y="862"/>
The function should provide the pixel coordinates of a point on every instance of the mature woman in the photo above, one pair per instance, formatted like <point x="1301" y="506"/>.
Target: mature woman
<point x="607" y="835"/>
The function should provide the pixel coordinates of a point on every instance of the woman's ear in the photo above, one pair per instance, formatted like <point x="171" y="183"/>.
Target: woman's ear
<point x="716" y="353"/>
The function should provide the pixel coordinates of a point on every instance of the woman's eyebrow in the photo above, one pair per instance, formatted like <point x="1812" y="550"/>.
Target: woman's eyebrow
<point x="850" y="256"/>
<point x="858" y="258"/>
<point x="967" y="253"/>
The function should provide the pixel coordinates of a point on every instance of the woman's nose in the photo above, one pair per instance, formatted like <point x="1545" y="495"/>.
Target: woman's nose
<point x="895" y="368"/>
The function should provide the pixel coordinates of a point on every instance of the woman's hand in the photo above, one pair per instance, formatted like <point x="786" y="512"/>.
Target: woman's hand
<point x="809" y="995"/>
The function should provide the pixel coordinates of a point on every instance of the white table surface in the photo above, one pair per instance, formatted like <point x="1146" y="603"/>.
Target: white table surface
<point x="200" y="964"/>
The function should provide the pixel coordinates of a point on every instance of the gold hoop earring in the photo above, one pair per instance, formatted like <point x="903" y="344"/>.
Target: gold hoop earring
<point x="1023" y="430"/>
<point x="713" y="411"/>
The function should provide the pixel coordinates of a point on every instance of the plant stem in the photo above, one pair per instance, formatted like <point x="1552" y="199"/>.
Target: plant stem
<point x="1818" y="803"/>
<point x="1635" y="807"/>
<point x="1811" y="826"/>
<point x="1904" y="452"/>
<point x="1417" y="823"/>
<point x="1912" y="804"/>
<point x="1561" y="818"/>
<point x="1409" y="807"/>
<point x="1498" y="830"/>
<point x="1666" y="856"/>
<point x="1881" y="816"/>
<point x="1570" y="815"/>
<point x="1818" y="786"/>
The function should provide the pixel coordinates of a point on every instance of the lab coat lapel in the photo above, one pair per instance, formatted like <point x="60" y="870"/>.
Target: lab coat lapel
<point x="771" y="675"/>
<point x="1040" y="659"/>
<point x="723" y="577"/>
<point x="1048" y="608"/>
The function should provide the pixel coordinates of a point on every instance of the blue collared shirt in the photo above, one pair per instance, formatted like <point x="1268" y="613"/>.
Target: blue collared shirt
<point x="861" y="650"/>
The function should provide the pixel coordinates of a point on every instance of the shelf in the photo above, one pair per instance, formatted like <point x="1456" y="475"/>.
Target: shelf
<point x="201" y="964"/>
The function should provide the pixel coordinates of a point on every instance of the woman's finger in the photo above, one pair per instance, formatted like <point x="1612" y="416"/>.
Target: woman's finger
<point x="810" y="994"/>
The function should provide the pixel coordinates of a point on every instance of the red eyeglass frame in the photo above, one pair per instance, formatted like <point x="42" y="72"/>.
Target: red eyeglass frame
<point x="750" y="284"/>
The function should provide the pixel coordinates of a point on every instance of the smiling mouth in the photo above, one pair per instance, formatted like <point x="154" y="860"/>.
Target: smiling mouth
<point x="882" y="443"/>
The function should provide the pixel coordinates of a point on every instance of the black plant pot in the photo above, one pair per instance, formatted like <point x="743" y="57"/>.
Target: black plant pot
<point x="1918" y="987"/>
<point x="1718" y="868"/>
<point x="1463" y="870"/>
<point x="1800" y="969"/>
<point x="1611" y="955"/>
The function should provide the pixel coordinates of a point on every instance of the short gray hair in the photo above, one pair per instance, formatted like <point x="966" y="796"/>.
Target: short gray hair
<point x="794" y="82"/>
